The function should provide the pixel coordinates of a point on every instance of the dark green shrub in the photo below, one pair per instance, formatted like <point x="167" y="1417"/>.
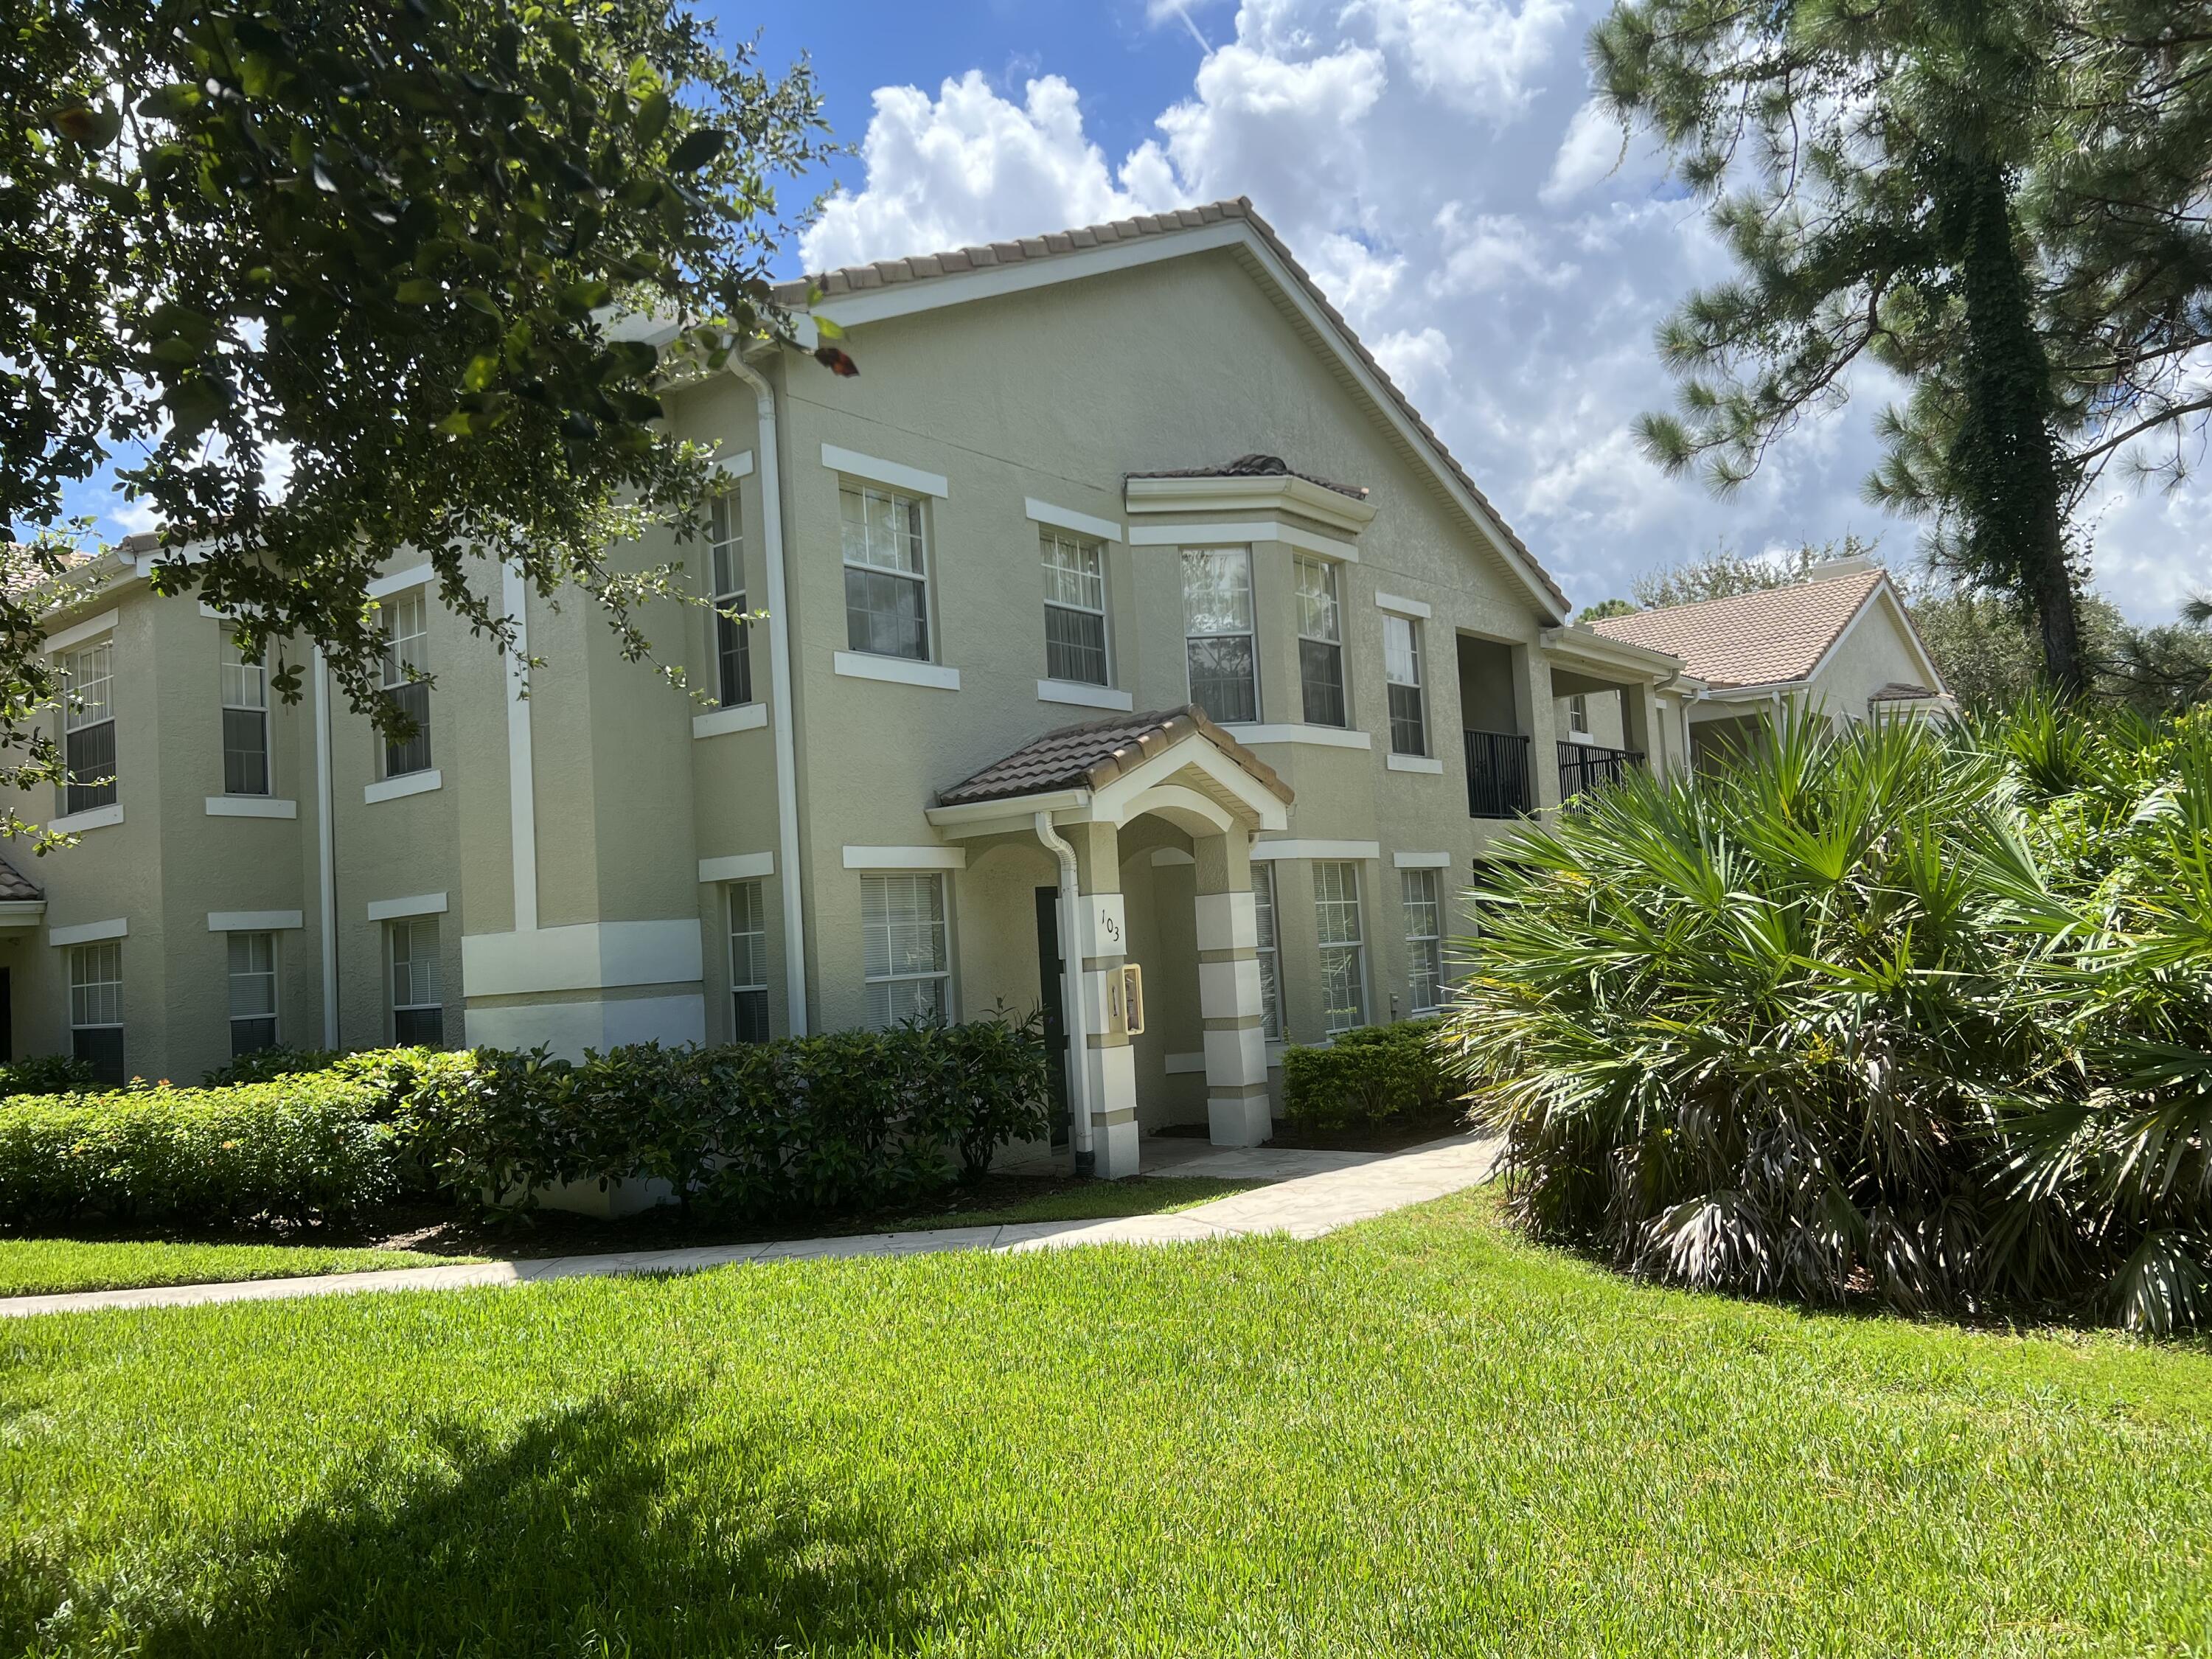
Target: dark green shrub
<point x="1370" y="1075"/>
<point x="45" y="1074"/>
<point x="266" y="1065"/>
<point x="290" y="1151"/>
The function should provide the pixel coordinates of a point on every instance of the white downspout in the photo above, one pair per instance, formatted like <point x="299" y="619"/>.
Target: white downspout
<point x="326" y="851"/>
<point x="1070" y="999"/>
<point x="779" y="709"/>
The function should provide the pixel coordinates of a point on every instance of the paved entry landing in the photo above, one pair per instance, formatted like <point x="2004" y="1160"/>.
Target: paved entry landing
<point x="1349" y="1186"/>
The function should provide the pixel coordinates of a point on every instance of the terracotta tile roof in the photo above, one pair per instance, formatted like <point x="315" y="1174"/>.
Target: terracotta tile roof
<point x="1255" y="466"/>
<point x="885" y="273"/>
<point x="1766" y="638"/>
<point x="16" y="886"/>
<point x="1092" y="755"/>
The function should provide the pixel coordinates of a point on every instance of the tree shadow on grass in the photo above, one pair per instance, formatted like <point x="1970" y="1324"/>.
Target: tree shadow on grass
<point x="614" y="1527"/>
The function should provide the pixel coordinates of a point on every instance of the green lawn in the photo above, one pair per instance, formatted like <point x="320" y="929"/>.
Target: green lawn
<point x="44" y="1267"/>
<point x="1415" y="1437"/>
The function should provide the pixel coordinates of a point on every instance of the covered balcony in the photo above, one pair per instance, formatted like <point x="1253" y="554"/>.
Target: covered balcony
<point x="1616" y="710"/>
<point x="1494" y="728"/>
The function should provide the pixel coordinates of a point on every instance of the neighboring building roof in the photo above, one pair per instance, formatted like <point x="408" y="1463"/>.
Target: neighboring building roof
<point x="1901" y="691"/>
<point x="1256" y="466"/>
<point x="1093" y="754"/>
<point x="1772" y="638"/>
<point x="887" y="273"/>
<point x="16" y="887"/>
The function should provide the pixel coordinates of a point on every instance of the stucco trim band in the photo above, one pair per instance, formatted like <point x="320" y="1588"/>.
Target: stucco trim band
<point x="1241" y="534"/>
<point x="399" y="581"/>
<point x="90" y="932"/>
<point x="1420" y="860"/>
<point x="251" y="806"/>
<point x="1085" y="696"/>
<point x="1066" y="517"/>
<point x="898" y="476"/>
<point x="1318" y="737"/>
<point x="1289" y="848"/>
<point x="90" y="628"/>
<point x="718" y="722"/>
<point x="1412" y="763"/>
<point x="1402" y="606"/>
<point x="741" y="867"/>
<point x="254" y="921"/>
<point x="92" y="817"/>
<point x="897" y="671"/>
<point x="418" y="904"/>
<point x="906" y="858"/>
<point x="407" y="783"/>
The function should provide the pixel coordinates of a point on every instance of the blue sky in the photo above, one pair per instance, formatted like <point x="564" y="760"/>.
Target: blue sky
<point x="1437" y="167"/>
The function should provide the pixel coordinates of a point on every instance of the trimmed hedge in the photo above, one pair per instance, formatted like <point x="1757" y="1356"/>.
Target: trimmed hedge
<point x="1370" y="1075"/>
<point x="45" y="1074"/>
<point x="287" y="1151"/>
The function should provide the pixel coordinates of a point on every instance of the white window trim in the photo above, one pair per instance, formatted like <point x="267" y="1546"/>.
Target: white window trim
<point x="1084" y="695"/>
<point x="1343" y="652"/>
<point x="875" y="470"/>
<point x="80" y="633"/>
<point x="1419" y="688"/>
<point x="949" y="976"/>
<point x="875" y="858"/>
<point x="92" y="817"/>
<point x="896" y="671"/>
<point x="738" y="717"/>
<point x="1320" y="737"/>
<point x="740" y="866"/>
<point x="1251" y="631"/>
<point x="398" y="909"/>
<point x="1398" y="762"/>
<point x="1105" y="613"/>
<point x="90" y="932"/>
<point x="254" y="921"/>
<point x="739" y="465"/>
<point x="1420" y="860"/>
<point x="1333" y="851"/>
<point x="1066" y="517"/>
<point x="252" y="806"/>
<point x="420" y="575"/>
<point x="1403" y="607"/>
<point x="1198" y="536"/>
<point x="407" y="783"/>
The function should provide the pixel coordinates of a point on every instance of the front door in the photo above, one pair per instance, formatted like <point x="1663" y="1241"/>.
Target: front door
<point x="1051" y="969"/>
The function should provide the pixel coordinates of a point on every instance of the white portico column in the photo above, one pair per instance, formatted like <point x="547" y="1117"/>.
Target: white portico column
<point x="1236" y="1109"/>
<point x="1103" y="936"/>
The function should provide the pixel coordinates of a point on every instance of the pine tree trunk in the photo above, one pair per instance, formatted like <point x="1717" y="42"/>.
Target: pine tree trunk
<point x="2005" y="461"/>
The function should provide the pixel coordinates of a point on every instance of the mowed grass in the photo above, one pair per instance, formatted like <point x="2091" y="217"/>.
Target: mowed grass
<point x="44" y="1267"/>
<point x="1417" y="1436"/>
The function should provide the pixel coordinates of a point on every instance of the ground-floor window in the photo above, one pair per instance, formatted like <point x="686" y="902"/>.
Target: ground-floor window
<point x="1343" y="946"/>
<point x="748" y="963"/>
<point x="908" y="961"/>
<point x="418" y="1006"/>
<point x="1424" y="946"/>
<point x="252" y="993"/>
<point x="96" y="1009"/>
<point x="1271" y="980"/>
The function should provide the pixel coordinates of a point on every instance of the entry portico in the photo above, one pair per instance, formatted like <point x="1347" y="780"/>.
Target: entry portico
<point x="1172" y="783"/>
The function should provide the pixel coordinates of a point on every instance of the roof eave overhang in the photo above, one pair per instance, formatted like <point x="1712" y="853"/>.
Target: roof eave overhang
<point x="1585" y="648"/>
<point x="22" y="913"/>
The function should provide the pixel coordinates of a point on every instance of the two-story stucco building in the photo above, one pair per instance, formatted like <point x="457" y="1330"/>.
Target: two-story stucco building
<point x="1121" y="612"/>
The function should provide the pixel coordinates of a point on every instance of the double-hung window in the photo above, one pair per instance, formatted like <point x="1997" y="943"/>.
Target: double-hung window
<point x="1271" y="970"/>
<point x="1320" y="643"/>
<point x="886" y="572"/>
<point x="726" y="555"/>
<point x="908" y="965"/>
<point x="406" y="647"/>
<point x="748" y="963"/>
<point x="1424" y="944"/>
<point x="1217" y="608"/>
<point x="96" y="1009"/>
<point x="88" y="727"/>
<point x="245" y="721"/>
<point x="1401" y="676"/>
<point x="1343" y="946"/>
<point x="418" y="1006"/>
<point x="1074" y="609"/>
<point x="252" y="993"/>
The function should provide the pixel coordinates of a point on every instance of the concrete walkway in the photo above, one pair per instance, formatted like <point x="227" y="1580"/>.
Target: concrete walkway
<point x="1327" y="1190"/>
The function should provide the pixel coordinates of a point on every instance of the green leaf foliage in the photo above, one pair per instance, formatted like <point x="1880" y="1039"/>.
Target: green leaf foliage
<point x="1895" y="1015"/>
<point x="1370" y="1075"/>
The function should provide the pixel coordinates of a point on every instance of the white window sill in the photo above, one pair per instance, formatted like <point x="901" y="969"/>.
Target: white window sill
<point x="251" y="806"/>
<point x="1084" y="696"/>
<point x="1412" y="763"/>
<point x="1320" y="737"/>
<point x="1580" y="736"/>
<point x="92" y="817"/>
<point x="410" y="783"/>
<point x="897" y="671"/>
<point x="716" y="722"/>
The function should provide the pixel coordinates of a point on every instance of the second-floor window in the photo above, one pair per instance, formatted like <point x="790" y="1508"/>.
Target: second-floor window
<point x="1216" y="609"/>
<point x="733" y="664"/>
<point x="88" y="727"/>
<point x="252" y="993"/>
<point x="1320" y="643"/>
<point x="406" y="646"/>
<point x="245" y="721"/>
<point x="1401" y="673"/>
<point x="1074" y="609"/>
<point x="748" y="963"/>
<point x="886" y="572"/>
<point x="1579" y="714"/>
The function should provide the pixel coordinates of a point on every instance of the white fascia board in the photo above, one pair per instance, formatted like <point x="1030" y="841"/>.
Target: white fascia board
<point x="251" y="806"/>
<point x="1316" y="849"/>
<point x="1403" y="606"/>
<point x="587" y="957"/>
<point x="1420" y="860"/>
<point x="896" y="474"/>
<point x="400" y="581"/>
<point x="78" y="633"/>
<point x="740" y="867"/>
<point x="417" y="904"/>
<point x="90" y="932"/>
<point x="255" y="921"/>
<point x="906" y="858"/>
<point x="1242" y="533"/>
<point x="1066" y="517"/>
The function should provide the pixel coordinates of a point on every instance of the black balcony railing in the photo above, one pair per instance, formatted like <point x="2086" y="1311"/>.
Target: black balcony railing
<point x="1496" y="774"/>
<point x="1592" y="765"/>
